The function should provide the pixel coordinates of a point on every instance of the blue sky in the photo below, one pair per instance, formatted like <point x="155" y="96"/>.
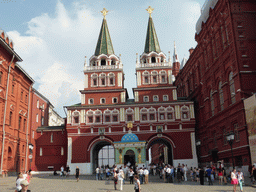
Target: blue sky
<point x="53" y="37"/>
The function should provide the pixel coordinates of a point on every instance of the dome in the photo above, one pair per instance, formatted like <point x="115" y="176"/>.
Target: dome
<point x="130" y="137"/>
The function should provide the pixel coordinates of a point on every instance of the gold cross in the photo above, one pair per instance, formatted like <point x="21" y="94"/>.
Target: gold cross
<point x="104" y="12"/>
<point x="150" y="10"/>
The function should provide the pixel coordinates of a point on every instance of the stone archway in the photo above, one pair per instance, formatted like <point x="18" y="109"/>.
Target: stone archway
<point x="129" y="158"/>
<point x="162" y="150"/>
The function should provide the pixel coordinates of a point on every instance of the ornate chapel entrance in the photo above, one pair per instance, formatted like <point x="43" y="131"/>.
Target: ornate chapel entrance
<point x="129" y="157"/>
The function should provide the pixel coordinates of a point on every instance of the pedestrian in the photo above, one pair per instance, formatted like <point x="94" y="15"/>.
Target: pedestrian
<point x="115" y="178"/>
<point x="24" y="186"/>
<point x="77" y="173"/>
<point x="107" y="174"/>
<point x="209" y="172"/>
<point x="101" y="173"/>
<point x="234" y="180"/>
<point x="62" y="171"/>
<point x="240" y="177"/>
<point x="137" y="184"/>
<point x="254" y="173"/>
<point x="201" y="175"/>
<point x="67" y="171"/>
<point x="220" y="175"/>
<point x="164" y="172"/>
<point x="224" y="176"/>
<point x="168" y="174"/>
<point x="18" y="181"/>
<point x="97" y="173"/>
<point x="28" y="176"/>
<point x="146" y="175"/>
<point x="120" y="178"/>
<point x="141" y="175"/>
<point x="179" y="175"/>
<point x="185" y="172"/>
<point x="131" y="173"/>
<point x="191" y="174"/>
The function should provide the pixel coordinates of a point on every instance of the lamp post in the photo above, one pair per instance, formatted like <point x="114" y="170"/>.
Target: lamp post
<point x="30" y="146"/>
<point x="230" y="138"/>
<point x="198" y="144"/>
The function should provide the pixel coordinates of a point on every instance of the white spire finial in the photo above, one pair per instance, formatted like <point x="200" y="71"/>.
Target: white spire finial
<point x="175" y="55"/>
<point x="85" y="63"/>
<point x="120" y="61"/>
<point x="137" y="58"/>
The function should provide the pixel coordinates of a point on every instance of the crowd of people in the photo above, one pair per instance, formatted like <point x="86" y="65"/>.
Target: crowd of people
<point x="22" y="181"/>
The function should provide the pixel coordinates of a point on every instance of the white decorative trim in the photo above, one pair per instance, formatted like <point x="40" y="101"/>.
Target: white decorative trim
<point x="177" y="111"/>
<point x="138" y="78"/>
<point x="136" y="96"/>
<point x="170" y="77"/>
<point x="192" y="112"/>
<point x="174" y="94"/>
<point x="123" y="97"/>
<point x="85" y="81"/>
<point x="137" y="113"/>
<point x="120" y="78"/>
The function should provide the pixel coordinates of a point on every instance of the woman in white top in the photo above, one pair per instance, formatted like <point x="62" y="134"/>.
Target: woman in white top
<point x="120" y="178"/>
<point x="131" y="173"/>
<point x="240" y="177"/>
<point x="234" y="179"/>
<point x="18" y="186"/>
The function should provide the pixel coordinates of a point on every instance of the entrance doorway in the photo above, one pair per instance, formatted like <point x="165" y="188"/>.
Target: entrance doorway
<point x="129" y="157"/>
<point x="160" y="151"/>
<point x="102" y="154"/>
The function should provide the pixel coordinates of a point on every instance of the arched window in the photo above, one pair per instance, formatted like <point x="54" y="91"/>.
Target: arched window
<point x="94" y="80"/>
<point x="170" y="113"/>
<point x="115" y="116"/>
<point x="111" y="79"/>
<point x="212" y="102"/>
<point x="232" y="88"/>
<point x="9" y="153"/>
<point x="107" y="116"/>
<point x="10" y="119"/>
<point x="75" y="117"/>
<point x="102" y="79"/>
<point x="221" y="96"/>
<point x="146" y="76"/>
<point x="103" y="62"/>
<point x="153" y="59"/>
<point x="154" y="77"/>
<point x="162" y="59"/>
<point x="37" y="104"/>
<point x="97" y="116"/>
<point x="163" y="77"/>
<point x="185" y="113"/>
<point x="161" y="114"/>
<point x="113" y="62"/>
<point x="152" y="114"/>
<point x="144" y="114"/>
<point x="89" y="116"/>
<point x="129" y="115"/>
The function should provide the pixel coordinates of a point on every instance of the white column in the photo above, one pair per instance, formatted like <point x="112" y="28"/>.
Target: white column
<point x="122" y="97"/>
<point x="82" y="116"/>
<point x="170" y="77"/>
<point x="122" y="115"/>
<point x="193" y="145"/>
<point x="69" y="150"/>
<point x="69" y="117"/>
<point x="174" y="94"/>
<point x="83" y="98"/>
<point x="136" y="94"/>
<point x="120" y="79"/>
<point x="192" y="112"/>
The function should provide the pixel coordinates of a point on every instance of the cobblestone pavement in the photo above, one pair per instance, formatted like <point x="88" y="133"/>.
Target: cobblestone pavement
<point x="45" y="183"/>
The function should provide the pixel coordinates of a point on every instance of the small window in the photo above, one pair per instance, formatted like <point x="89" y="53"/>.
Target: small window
<point x="115" y="118"/>
<point x="21" y="95"/>
<point x="10" y="119"/>
<point x="97" y="119"/>
<point x="107" y="118"/>
<point x="159" y="129"/>
<point x="24" y="125"/>
<point x="102" y="81"/>
<point x="103" y="62"/>
<point x="19" y="122"/>
<point x="129" y="117"/>
<point x="169" y="116"/>
<point x="162" y="116"/>
<point x="1" y="77"/>
<point x="152" y="117"/>
<point x="144" y="117"/>
<point x="26" y="98"/>
<point x="37" y="104"/>
<point x="12" y="89"/>
<point x="165" y="98"/>
<point x="146" y="99"/>
<point x="90" y="119"/>
<point x="113" y="62"/>
<point x="76" y="120"/>
<point x="94" y="82"/>
<point x="114" y="100"/>
<point x="153" y="60"/>
<point x="90" y="101"/>
<point x="101" y="131"/>
<point x="185" y="115"/>
<point x="146" y="79"/>
<point x="155" y="98"/>
<point x="102" y="100"/>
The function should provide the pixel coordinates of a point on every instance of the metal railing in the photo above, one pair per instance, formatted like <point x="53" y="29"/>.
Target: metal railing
<point x="142" y="65"/>
<point x="91" y="68"/>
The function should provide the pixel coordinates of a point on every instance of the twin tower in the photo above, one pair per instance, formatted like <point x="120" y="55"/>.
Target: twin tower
<point x="105" y="69"/>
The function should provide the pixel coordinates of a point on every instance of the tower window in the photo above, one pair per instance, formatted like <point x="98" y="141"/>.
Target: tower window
<point x="103" y="100"/>
<point x="103" y="62"/>
<point x="114" y="100"/>
<point x="165" y="98"/>
<point x="113" y="62"/>
<point x="153" y="60"/>
<point x="146" y="99"/>
<point x="90" y="101"/>
<point x="155" y="98"/>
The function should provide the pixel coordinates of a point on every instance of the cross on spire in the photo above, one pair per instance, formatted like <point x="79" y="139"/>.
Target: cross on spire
<point x="150" y="10"/>
<point x="104" y="12"/>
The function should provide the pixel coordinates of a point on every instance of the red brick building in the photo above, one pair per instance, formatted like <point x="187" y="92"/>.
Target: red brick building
<point x="157" y="115"/>
<point x="15" y="101"/>
<point x="218" y="76"/>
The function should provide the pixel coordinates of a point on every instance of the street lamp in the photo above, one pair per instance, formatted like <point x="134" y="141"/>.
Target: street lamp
<point x="198" y="144"/>
<point x="31" y="147"/>
<point x="230" y="138"/>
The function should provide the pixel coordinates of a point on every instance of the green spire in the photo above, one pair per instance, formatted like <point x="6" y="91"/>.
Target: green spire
<point x="104" y="45"/>
<point x="152" y="43"/>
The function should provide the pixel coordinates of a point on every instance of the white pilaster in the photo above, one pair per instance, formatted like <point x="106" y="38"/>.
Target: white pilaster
<point x="123" y="97"/>
<point x="69" y="150"/>
<point x="170" y="76"/>
<point x="119" y="78"/>
<point x="85" y="81"/>
<point x="136" y="94"/>
<point x="177" y="111"/>
<point x="82" y="116"/>
<point x="138" y="78"/>
<point x="137" y="113"/>
<point x="192" y="112"/>
<point x="83" y="98"/>
<point x="174" y="94"/>
<point x="122" y="115"/>
<point x="68" y="117"/>
<point x="193" y="145"/>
